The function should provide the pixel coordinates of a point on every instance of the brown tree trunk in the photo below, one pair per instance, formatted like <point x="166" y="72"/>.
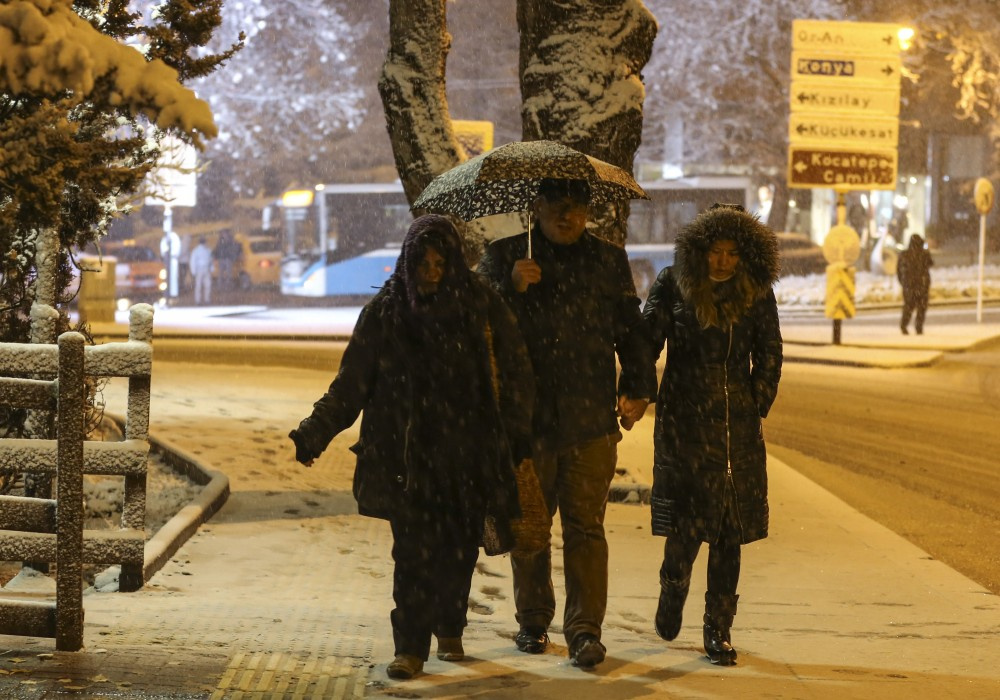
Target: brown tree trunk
<point x="581" y="84"/>
<point x="412" y="87"/>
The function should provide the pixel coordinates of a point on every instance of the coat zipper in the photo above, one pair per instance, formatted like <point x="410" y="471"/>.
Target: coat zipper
<point x="729" y="459"/>
<point x="725" y="390"/>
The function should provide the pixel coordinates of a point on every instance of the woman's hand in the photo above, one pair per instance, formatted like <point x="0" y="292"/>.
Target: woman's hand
<point x="630" y="411"/>
<point x="302" y="454"/>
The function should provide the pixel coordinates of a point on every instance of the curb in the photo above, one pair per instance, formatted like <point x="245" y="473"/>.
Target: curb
<point x="179" y="529"/>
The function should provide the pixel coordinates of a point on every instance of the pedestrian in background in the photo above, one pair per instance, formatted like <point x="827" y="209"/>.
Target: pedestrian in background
<point x="576" y="305"/>
<point x="200" y="266"/>
<point x="227" y="253"/>
<point x="913" y="269"/>
<point x="716" y="312"/>
<point x="439" y="370"/>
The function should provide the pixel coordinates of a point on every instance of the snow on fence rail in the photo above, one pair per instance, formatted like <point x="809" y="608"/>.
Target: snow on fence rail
<point x="51" y="530"/>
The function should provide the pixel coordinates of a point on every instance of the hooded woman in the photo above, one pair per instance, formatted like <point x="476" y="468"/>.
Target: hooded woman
<point x="438" y="367"/>
<point x="716" y="312"/>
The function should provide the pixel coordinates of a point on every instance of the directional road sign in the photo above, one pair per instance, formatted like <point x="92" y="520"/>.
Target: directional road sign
<point x="843" y="127"/>
<point x="841" y="169"/>
<point x="846" y="69"/>
<point x="836" y="130"/>
<point x="855" y="99"/>
<point x="846" y="37"/>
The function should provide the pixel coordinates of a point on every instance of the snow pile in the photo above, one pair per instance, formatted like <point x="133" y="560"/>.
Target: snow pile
<point x="166" y="493"/>
<point x="947" y="283"/>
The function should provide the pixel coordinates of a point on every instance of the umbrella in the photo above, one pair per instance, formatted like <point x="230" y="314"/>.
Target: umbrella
<point x="505" y="179"/>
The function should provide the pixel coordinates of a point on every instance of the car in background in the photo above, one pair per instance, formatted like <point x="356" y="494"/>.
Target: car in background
<point x="139" y="272"/>
<point x="800" y="255"/>
<point x="259" y="264"/>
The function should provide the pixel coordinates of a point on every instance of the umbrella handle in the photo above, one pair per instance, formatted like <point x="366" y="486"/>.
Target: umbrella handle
<point x="529" y="235"/>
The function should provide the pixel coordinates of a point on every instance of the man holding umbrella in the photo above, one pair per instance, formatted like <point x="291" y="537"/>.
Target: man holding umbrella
<point x="576" y="305"/>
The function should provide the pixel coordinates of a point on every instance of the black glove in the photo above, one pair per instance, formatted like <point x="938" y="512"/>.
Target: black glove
<point x="303" y="453"/>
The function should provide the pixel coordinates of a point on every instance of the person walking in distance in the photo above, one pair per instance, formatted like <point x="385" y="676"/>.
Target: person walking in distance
<point x="576" y="305"/>
<point x="439" y="370"/>
<point x="200" y="266"/>
<point x="715" y="311"/>
<point x="913" y="269"/>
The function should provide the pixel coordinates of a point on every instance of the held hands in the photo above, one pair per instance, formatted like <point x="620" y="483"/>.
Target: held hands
<point x="526" y="272"/>
<point x="630" y="411"/>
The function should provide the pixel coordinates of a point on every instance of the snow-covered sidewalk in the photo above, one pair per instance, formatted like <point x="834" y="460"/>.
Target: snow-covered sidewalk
<point x="286" y="587"/>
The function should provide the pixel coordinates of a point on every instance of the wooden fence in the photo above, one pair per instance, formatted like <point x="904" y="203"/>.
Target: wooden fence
<point x="52" y="377"/>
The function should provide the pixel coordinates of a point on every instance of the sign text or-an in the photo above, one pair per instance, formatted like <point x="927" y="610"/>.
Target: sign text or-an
<point x="845" y="37"/>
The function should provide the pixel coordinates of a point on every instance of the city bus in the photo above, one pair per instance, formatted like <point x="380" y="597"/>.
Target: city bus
<point x="329" y="225"/>
<point x="342" y="241"/>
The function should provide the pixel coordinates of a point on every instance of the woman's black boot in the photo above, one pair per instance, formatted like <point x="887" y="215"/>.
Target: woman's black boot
<point x="720" y="609"/>
<point x="671" y="607"/>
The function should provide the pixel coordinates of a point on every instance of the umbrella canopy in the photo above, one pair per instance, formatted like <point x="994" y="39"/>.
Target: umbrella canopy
<point x="506" y="179"/>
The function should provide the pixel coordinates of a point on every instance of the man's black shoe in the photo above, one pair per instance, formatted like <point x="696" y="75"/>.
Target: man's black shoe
<point x="587" y="651"/>
<point x="531" y="640"/>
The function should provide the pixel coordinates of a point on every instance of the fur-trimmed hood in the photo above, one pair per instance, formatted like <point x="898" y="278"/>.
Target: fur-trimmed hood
<point x="719" y="304"/>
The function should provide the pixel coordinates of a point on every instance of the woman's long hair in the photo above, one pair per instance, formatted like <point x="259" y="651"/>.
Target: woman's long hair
<point x="721" y="304"/>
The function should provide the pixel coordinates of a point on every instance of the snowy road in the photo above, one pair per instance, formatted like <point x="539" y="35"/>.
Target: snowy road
<point x="915" y="449"/>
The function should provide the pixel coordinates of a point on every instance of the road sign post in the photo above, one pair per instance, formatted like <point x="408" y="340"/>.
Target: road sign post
<point x="983" y="197"/>
<point x="843" y="129"/>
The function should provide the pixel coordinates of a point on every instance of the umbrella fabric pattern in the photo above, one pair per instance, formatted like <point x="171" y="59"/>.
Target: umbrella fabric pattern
<point x="505" y="179"/>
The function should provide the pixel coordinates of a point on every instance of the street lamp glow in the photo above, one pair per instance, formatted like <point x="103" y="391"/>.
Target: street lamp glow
<point x="905" y="35"/>
<point x="297" y="198"/>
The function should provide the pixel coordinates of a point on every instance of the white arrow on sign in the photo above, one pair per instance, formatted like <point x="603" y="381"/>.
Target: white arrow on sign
<point x="842" y="168"/>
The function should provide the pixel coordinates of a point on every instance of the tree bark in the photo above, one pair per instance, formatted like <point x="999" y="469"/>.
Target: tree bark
<point x="412" y="87"/>
<point x="581" y="85"/>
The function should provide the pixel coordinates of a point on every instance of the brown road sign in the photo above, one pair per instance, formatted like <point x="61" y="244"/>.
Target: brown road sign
<point x="842" y="169"/>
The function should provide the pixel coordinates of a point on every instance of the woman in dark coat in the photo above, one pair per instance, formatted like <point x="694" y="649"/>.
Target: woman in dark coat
<point x="914" y="273"/>
<point x="439" y="368"/>
<point x="716" y="312"/>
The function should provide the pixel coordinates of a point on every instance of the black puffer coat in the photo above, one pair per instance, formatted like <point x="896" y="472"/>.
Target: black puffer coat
<point x="914" y="272"/>
<point x="581" y="314"/>
<point x="435" y="436"/>
<point x="720" y="379"/>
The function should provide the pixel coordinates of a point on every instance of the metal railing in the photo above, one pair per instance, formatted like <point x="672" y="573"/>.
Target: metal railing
<point x="51" y="530"/>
